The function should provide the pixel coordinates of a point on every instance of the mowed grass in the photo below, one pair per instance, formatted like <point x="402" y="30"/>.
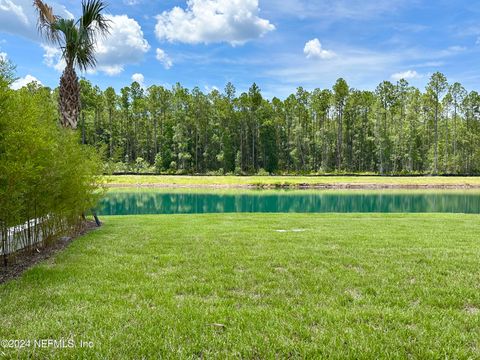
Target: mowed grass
<point x="173" y="180"/>
<point x="252" y="286"/>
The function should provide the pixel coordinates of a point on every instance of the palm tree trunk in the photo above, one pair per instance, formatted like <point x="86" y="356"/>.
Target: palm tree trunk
<point x="69" y="97"/>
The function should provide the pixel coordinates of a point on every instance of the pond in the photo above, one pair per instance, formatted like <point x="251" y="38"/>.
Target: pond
<point x="195" y="202"/>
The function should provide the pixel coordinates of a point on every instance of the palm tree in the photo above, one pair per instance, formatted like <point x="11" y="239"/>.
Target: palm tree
<point x="77" y="40"/>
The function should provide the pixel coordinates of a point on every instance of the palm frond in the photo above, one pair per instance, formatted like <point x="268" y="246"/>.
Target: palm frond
<point x="69" y="45"/>
<point x="76" y="39"/>
<point x="92" y="20"/>
<point x="85" y="55"/>
<point x="46" y="20"/>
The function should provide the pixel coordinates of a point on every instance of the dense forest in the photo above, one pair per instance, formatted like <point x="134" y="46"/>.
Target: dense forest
<point x="396" y="129"/>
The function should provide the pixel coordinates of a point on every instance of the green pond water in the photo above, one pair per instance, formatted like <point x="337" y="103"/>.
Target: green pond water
<point x="192" y="202"/>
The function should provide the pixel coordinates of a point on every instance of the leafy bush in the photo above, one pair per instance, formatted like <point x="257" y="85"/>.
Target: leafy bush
<point x="218" y="172"/>
<point x="45" y="173"/>
<point x="141" y="166"/>
<point x="159" y="166"/>
<point x="262" y="172"/>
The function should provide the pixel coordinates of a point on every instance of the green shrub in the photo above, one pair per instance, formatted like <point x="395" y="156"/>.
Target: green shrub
<point x="218" y="172"/>
<point x="262" y="172"/>
<point x="141" y="166"/>
<point x="159" y="165"/>
<point x="45" y="173"/>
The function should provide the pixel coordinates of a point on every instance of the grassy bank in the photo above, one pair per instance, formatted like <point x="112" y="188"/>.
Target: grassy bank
<point x="256" y="286"/>
<point x="292" y="181"/>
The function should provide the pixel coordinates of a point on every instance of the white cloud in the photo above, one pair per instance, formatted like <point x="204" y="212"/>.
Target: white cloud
<point x="456" y="48"/>
<point x="18" y="84"/>
<point x="138" y="78"/>
<point x="124" y="45"/>
<point x="19" y="17"/>
<point x="331" y="11"/>
<point x="434" y="64"/>
<point x="409" y="74"/>
<point x="360" y="67"/>
<point x="451" y="51"/>
<point x="8" y="6"/>
<point x="164" y="59"/>
<point x="313" y="50"/>
<point x="68" y="14"/>
<point x="213" y="21"/>
<point x="209" y="88"/>
<point x="15" y="20"/>
<point x="52" y="57"/>
<point x="3" y="55"/>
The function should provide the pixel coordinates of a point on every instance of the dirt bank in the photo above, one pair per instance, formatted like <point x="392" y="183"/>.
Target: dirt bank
<point x="338" y="186"/>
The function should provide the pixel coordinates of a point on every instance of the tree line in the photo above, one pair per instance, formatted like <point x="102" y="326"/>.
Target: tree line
<point x="396" y="129"/>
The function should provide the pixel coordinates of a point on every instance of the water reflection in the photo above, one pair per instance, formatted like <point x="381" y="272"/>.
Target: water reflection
<point x="153" y="202"/>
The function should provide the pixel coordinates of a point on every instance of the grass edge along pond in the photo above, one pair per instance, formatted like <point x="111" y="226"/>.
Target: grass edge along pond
<point x="256" y="286"/>
<point x="290" y="181"/>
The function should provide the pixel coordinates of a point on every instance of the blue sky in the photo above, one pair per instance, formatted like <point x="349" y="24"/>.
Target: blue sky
<point x="280" y="45"/>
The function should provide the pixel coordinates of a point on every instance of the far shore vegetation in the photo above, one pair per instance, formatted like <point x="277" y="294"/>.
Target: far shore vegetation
<point x="396" y="129"/>
<point x="291" y="181"/>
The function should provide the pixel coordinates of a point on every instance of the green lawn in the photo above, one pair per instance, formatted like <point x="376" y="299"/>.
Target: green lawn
<point x="256" y="286"/>
<point x="135" y="180"/>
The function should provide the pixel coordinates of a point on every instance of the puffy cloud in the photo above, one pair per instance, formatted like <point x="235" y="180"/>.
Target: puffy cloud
<point x="409" y="74"/>
<point x="14" y="18"/>
<point x="213" y="21"/>
<point x="138" y="78"/>
<point x="124" y="45"/>
<point x="52" y="57"/>
<point x="16" y="10"/>
<point x="18" y="17"/>
<point x="313" y="50"/>
<point x="18" y="84"/>
<point x="3" y="56"/>
<point x="164" y="59"/>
